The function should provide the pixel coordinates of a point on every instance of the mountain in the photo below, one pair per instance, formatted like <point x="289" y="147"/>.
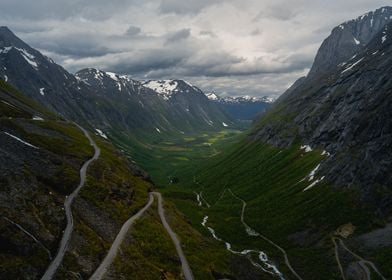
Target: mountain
<point x="311" y="183"/>
<point x="242" y="107"/>
<point x="349" y="38"/>
<point x="41" y="154"/>
<point x="106" y="100"/>
<point x="345" y="111"/>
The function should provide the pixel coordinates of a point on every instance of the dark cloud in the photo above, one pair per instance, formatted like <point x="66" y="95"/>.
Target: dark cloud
<point x="133" y="31"/>
<point x="150" y="60"/>
<point x="78" y="44"/>
<point x="236" y="47"/>
<point x="178" y="35"/>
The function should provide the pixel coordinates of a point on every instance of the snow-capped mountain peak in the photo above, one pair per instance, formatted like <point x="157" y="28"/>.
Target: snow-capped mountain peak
<point x="168" y="88"/>
<point x="212" y="96"/>
<point x="239" y="99"/>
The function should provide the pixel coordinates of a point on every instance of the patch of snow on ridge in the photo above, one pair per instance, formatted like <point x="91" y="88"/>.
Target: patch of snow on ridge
<point x="164" y="88"/>
<point x="212" y="96"/>
<point x="37" y="118"/>
<point x="313" y="172"/>
<point x="383" y="39"/>
<point x="158" y="130"/>
<point x="5" y="49"/>
<point x="42" y="91"/>
<point x="224" y="124"/>
<point x="357" y="42"/>
<point x="28" y="57"/>
<point x="112" y="75"/>
<point x="353" y="65"/>
<point x="313" y="184"/>
<point x="5" y="102"/>
<point x="100" y="133"/>
<point x="306" y="148"/>
<point x="25" y="54"/>
<point x="20" y="140"/>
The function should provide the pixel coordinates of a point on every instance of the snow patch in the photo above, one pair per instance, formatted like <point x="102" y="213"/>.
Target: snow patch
<point x="357" y="42"/>
<point x="353" y="65"/>
<point x="28" y="57"/>
<point x="5" y="102"/>
<point x="225" y="124"/>
<point x="112" y="75"/>
<point x="212" y="96"/>
<point x="164" y="88"/>
<point x="313" y="184"/>
<point x="21" y="141"/>
<point x="158" y="130"/>
<point x="37" y="118"/>
<point x="313" y="173"/>
<point x="306" y="148"/>
<point x="101" y="133"/>
<point x="42" y="91"/>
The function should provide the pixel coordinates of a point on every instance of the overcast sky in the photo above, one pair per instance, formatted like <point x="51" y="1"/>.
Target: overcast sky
<point x="233" y="47"/>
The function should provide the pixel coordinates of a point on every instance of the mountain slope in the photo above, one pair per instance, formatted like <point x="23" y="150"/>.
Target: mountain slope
<point x="349" y="38"/>
<point x="41" y="156"/>
<point x="182" y="108"/>
<point x="347" y="113"/>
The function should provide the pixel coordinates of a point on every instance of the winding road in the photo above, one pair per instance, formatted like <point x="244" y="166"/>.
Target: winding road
<point x="252" y="232"/>
<point x="54" y="265"/>
<point x="105" y="264"/>
<point x="361" y="261"/>
<point x="107" y="261"/>
<point x="184" y="263"/>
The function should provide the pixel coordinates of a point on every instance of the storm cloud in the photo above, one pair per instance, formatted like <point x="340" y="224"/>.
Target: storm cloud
<point x="233" y="47"/>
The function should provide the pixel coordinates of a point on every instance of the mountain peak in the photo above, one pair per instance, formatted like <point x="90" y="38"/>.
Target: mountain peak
<point x="349" y="38"/>
<point x="9" y="39"/>
<point x="167" y="88"/>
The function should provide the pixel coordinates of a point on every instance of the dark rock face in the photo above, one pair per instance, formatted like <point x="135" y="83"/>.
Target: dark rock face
<point x="347" y="112"/>
<point x="348" y="39"/>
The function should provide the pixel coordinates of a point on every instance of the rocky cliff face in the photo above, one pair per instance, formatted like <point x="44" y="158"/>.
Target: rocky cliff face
<point x="347" y="112"/>
<point x="348" y="39"/>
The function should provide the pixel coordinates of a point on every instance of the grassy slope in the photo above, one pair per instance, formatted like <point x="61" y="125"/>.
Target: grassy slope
<point x="112" y="193"/>
<point x="62" y="149"/>
<point x="269" y="180"/>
